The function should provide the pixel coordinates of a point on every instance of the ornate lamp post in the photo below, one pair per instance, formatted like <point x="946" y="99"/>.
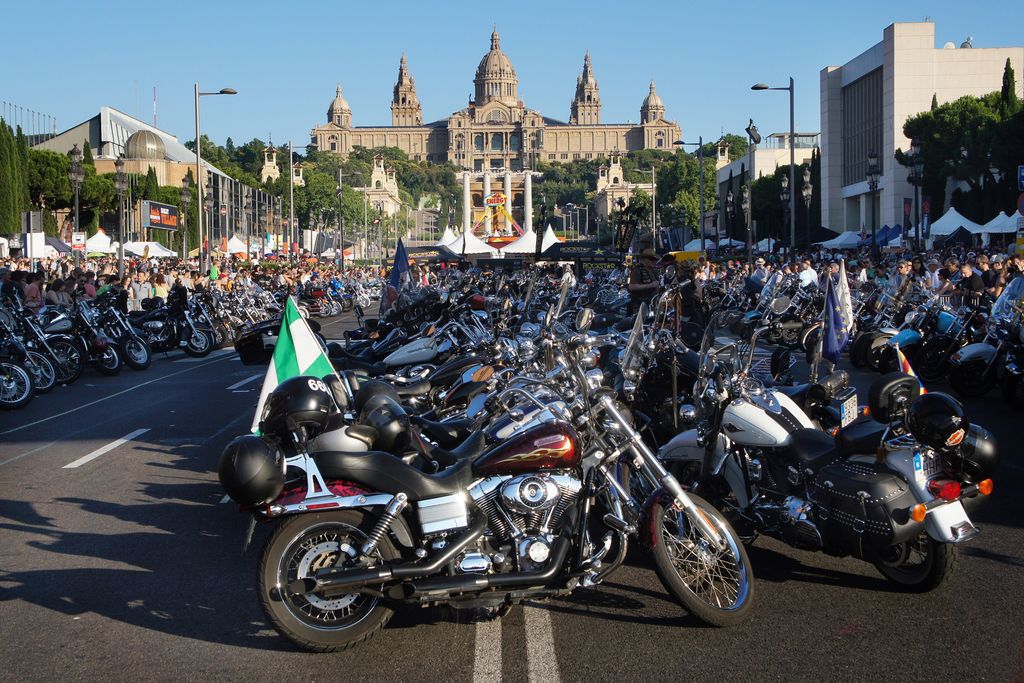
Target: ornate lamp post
<point x="77" y="176"/>
<point x="186" y="201"/>
<point x="730" y="212"/>
<point x="785" y="196"/>
<point x="745" y="205"/>
<point x="872" y="175"/>
<point x="916" y="176"/>
<point x="120" y="186"/>
<point x="208" y="205"/>
<point x="808" y="192"/>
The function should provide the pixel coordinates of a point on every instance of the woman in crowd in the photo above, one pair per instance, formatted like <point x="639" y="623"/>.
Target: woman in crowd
<point x="57" y="295"/>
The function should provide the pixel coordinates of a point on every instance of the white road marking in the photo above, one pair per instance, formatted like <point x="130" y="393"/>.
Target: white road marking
<point x="213" y="354"/>
<point x="542" y="664"/>
<point x="34" y="450"/>
<point x="105" y="449"/>
<point x="245" y="381"/>
<point x="487" y="652"/>
<point x="105" y="398"/>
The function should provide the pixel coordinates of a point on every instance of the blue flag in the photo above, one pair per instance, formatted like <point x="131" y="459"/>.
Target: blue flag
<point x="397" y="280"/>
<point x="834" y="333"/>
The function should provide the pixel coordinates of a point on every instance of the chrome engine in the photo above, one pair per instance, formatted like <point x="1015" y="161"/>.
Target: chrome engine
<point x="523" y="511"/>
<point x="794" y="520"/>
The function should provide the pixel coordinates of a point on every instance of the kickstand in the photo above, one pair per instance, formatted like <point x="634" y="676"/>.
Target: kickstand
<point x="248" y="534"/>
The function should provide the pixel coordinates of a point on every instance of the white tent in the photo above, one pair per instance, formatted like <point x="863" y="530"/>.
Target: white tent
<point x="767" y="244"/>
<point x="1002" y="223"/>
<point x="446" y="238"/>
<point x="155" y="249"/>
<point x="527" y="242"/>
<point x="236" y="246"/>
<point x="951" y="222"/>
<point x="99" y="243"/>
<point x="694" y="245"/>
<point x="473" y="245"/>
<point x="844" y="240"/>
<point x="4" y="245"/>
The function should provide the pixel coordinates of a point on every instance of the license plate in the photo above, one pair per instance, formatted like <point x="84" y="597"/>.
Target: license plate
<point x="926" y="466"/>
<point x="848" y="411"/>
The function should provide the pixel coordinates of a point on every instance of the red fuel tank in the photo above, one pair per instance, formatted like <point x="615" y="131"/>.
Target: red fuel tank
<point x="551" y="446"/>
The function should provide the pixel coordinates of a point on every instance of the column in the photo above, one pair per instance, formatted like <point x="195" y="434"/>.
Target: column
<point x="528" y="202"/>
<point x="467" y="200"/>
<point x="487" y="214"/>
<point x="508" y="202"/>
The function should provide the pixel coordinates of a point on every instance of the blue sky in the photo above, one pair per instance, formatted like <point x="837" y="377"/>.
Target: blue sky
<point x="285" y="58"/>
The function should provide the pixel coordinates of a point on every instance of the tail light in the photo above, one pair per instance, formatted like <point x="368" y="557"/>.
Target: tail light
<point x="946" y="489"/>
<point x="985" y="487"/>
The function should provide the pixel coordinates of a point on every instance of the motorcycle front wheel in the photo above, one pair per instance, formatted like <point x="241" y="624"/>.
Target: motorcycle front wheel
<point x="136" y="353"/>
<point x="69" y="360"/>
<point x="109" y="362"/>
<point x="44" y="374"/>
<point x="970" y="380"/>
<point x="16" y="386"/>
<point x="919" y="565"/>
<point x="298" y="548"/>
<point x="199" y="344"/>
<point x="715" y="585"/>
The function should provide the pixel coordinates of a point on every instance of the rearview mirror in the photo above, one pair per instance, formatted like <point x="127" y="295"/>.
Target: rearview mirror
<point x="583" y="319"/>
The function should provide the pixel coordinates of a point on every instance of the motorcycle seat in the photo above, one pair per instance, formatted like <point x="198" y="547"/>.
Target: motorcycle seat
<point x="860" y="438"/>
<point x="384" y="472"/>
<point x="358" y="366"/>
<point x="420" y="388"/>
<point x="468" y="450"/>
<point x="813" y="448"/>
<point x="445" y="434"/>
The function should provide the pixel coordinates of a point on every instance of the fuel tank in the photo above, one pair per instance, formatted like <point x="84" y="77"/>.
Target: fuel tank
<point x="548" y="446"/>
<point x="451" y="370"/>
<point x="764" y="421"/>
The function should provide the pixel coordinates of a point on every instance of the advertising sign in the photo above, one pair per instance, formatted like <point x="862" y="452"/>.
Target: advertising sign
<point x="157" y="216"/>
<point x="495" y="199"/>
<point x="78" y="241"/>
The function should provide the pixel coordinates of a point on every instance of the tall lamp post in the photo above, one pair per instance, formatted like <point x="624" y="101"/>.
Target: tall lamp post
<point x="700" y="161"/>
<point x="872" y="176"/>
<point x="786" y="197"/>
<point x="916" y="174"/>
<point x="341" y="221"/>
<point x="204" y="254"/>
<point x="745" y="205"/>
<point x="77" y="176"/>
<point x="730" y="211"/>
<point x="120" y="186"/>
<point x="186" y="201"/>
<point x="792" y="157"/>
<point x="208" y="205"/>
<point x="808" y="192"/>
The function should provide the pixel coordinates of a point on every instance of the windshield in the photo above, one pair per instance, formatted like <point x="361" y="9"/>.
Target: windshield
<point x="1014" y="293"/>
<point x="721" y="342"/>
<point x="631" y="353"/>
<point x="768" y="291"/>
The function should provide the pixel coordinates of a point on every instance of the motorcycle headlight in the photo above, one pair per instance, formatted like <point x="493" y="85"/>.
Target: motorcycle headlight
<point x="590" y="359"/>
<point x="595" y="379"/>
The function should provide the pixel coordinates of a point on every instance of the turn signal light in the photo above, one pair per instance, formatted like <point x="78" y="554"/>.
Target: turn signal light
<point x="946" y="489"/>
<point x="866" y="411"/>
<point x="918" y="512"/>
<point x="985" y="487"/>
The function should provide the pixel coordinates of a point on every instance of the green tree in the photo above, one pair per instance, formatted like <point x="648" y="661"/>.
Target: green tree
<point x="935" y="102"/>
<point x="150" y="186"/>
<point x="22" y="149"/>
<point x="87" y="159"/>
<point x="1008" y="94"/>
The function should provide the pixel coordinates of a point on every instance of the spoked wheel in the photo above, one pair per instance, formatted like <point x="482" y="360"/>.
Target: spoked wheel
<point x="919" y="565"/>
<point x="931" y="363"/>
<point x="44" y="374"/>
<point x="714" y="584"/>
<point x="136" y="353"/>
<point x="16" y="386"/>
<point x="69" y="360"/>
<point x="200" y="344"/>
<point x="299" y="548"/>
<point x="108" y="362"/>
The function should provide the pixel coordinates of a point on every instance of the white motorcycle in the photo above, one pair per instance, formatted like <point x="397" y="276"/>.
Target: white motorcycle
<point x="893" y="491"/>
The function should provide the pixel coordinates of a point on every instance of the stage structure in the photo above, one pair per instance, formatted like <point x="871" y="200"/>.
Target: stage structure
<point x="498" y="205"/>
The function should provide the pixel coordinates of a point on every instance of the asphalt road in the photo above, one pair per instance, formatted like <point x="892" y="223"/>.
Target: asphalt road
<point x="118" y="558"/>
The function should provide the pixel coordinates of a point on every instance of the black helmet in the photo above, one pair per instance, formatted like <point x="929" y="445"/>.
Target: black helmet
<point x="251" y="471"/>
<point x="937" y="420"/>
<point x="370" y="389"/>
<point x="300" y="405"/>
<point x="387" y="416"/>
<point x="977" y="456"/>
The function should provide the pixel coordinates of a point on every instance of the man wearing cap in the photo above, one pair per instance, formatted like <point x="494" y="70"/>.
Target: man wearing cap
<point x="932" y="274"/>
<point x="643" y="280"/>
<point x="760" y="270"/>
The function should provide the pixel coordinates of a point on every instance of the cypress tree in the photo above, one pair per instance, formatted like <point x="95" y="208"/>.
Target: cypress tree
<point x="10" y="205"/>
<point x="1008" y="95"/>
<point x="151" y="188"/>
<point x="22" y="146"/>
<point x="87" y="154"/>
<point x="935" y="102"/>
<point x="6" y="188"/>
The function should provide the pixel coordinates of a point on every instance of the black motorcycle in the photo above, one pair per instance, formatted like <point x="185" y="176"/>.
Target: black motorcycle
<point x="16" y="384"/>
<point x="172" y="326"/>
<point x="133" y="347"/>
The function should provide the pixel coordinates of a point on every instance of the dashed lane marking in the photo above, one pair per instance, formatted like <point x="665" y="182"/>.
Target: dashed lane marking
<point x="106" y="449"/>
<point x="542" y="665"/>
<point x="487" y="652"/>
<point x="213" y="354"/>
<point x="245" y="381"/>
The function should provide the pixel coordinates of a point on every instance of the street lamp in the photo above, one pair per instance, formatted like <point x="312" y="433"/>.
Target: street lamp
<point x="785" y="196"/>
<point x="745" y="205"/>
<point x="120" y="186"/>
<point x="916" y="176"/>
<point x="700" y="157"/>
<point x="77" y="176"/>
<point x="872" y="176"/>
<point x="208" y="205"/>
<point x="204" y="254"/>
<point x="186" y="201"/>
<point x="808" y="192"/>
<point x="730" y="211"/>
<point x="792" y="157"/>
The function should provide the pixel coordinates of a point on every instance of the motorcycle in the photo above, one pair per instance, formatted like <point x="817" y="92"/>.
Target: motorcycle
<point x="977" y="368"/>
<point x="17" y="386"/>
<point x="894" y="491"/>
<point x="171" y="326"/>
<point x="133" y="348"/>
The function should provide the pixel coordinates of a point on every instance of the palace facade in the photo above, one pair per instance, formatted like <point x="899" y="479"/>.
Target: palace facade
<point x="496" y="130"/>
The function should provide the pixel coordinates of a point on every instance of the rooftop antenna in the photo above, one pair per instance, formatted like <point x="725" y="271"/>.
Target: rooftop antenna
<point x="154" y="106"/>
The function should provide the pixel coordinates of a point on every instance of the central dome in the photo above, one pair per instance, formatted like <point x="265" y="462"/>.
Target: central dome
<point x="495" y="77"/>
<point x="145" y="144"/>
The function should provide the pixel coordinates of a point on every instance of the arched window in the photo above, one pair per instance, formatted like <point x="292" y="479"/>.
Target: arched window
<point x="615" y="180"/>
<point x="377" y="185"/>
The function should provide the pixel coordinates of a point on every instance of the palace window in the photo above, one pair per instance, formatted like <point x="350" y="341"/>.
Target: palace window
<point x="565" y="156"/>
<point x="551" y="157"/>
<point x="513" y="141"/>
<point x="478" y="142"/>
<point x="497" y="143"/>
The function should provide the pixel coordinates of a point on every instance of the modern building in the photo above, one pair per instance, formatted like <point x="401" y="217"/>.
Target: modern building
<point x="865" y="102"/>
<point x="496" y="130"/>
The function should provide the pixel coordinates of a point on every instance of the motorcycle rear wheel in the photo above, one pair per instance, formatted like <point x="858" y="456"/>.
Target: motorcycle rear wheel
<point x="716" y="587"/>
<point x="69" y="360"/>
<point x="109" y="362"/>
<point x="136" y="353"/>
<point x="44" y="374"/>
<point x="932" y="363"/>
<point x="16" y="386"/>
<point x="919" y="565"/>
<point x="970" y="380"/>
<point x="298" y="547"/>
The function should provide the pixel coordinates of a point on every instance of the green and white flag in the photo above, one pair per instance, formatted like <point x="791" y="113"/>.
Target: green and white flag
<point x="298" y="352"/>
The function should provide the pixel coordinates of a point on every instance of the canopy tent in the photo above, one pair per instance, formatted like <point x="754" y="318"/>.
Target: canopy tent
<point x="431" y="254"/>
<point x="474" y="246"/>
<point x="236" y="246"/>
<point x="950" y="222"/>
<point x="730" y="243"/>
<point x="585" y="251"/>
<point x="527" y="242"/>
<point x="99" y="243"/>
<point x="959" y="236"/>
<point x="57" y="245"/>
<point x="156" y="250"/>
<point x="767" y="244"/>
<point x="4" y="247"/>
<point x="447" y="237"/>
<point x="844" y="240"/>
<point x="1002" y="223"/>
<point x="694" y="245"/>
